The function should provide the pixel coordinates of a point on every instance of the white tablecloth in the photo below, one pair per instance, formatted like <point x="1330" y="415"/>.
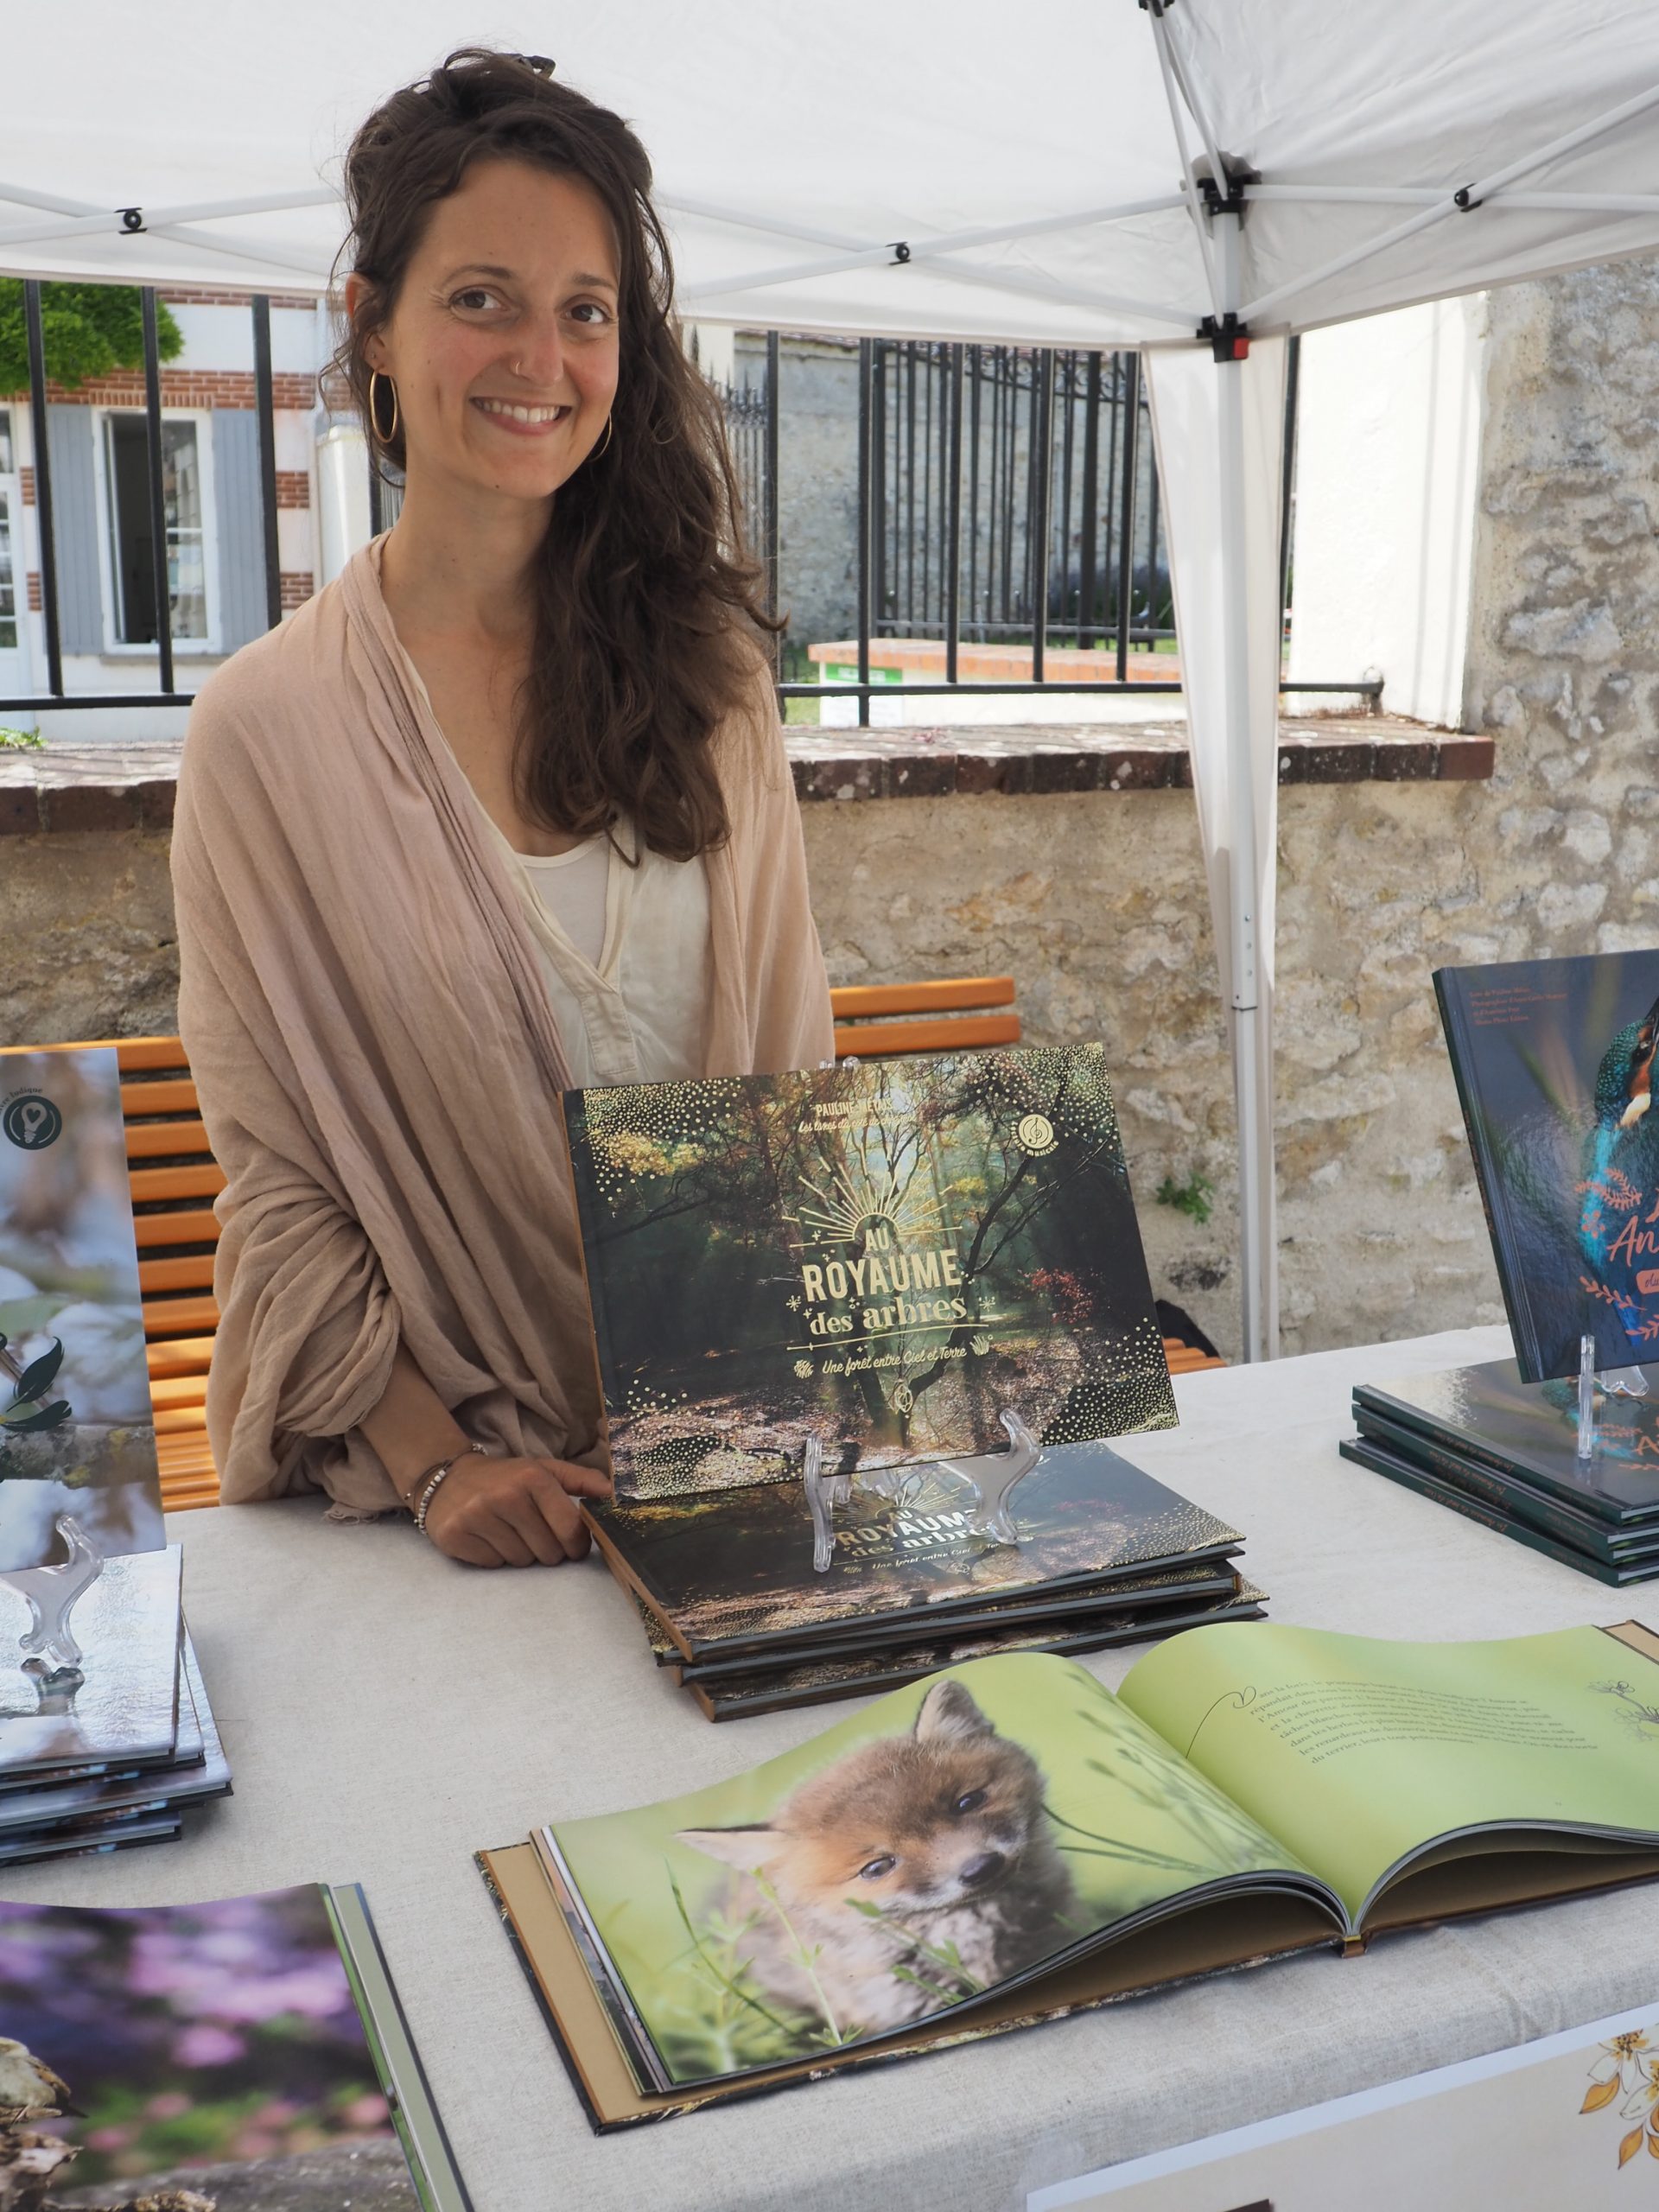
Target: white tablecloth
<point x="387" y="1712"/>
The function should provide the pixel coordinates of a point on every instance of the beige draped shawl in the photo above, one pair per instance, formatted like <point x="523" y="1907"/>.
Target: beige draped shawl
<point x="378" y="1063"/>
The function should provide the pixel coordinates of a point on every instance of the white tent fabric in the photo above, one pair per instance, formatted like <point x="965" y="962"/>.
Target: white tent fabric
<point x="942" y="169"/>
<point x="1220" y="435"/>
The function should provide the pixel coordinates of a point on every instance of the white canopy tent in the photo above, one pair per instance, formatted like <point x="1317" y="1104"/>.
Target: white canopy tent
<point x="1089" y="173"/>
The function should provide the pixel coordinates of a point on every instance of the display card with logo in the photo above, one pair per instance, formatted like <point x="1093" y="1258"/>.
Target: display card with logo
<point x="893" y="1258"/>
<point x="77" y="1435"/>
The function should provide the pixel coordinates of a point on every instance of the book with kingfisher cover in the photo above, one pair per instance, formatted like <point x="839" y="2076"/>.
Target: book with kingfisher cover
<point x="890" y="1258"/>
<point x="1553" y="1061"/>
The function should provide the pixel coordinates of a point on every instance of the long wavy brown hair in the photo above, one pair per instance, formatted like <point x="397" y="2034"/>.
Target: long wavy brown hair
<point x="647" y="606"/>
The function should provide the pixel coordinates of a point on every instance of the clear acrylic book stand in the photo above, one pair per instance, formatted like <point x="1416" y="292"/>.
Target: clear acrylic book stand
<point x="1615" y="1382"/>
<point x="992" y="1478"/>
<point x="50" y="1651"/>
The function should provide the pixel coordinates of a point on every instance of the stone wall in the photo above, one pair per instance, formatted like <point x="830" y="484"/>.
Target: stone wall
<point x="86" y="924"/>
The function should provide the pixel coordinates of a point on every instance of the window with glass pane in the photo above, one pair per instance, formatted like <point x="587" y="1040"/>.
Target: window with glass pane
<point x="127" y="459"/>
<point x="8" y="587"/>
<point x="7" y="461"/>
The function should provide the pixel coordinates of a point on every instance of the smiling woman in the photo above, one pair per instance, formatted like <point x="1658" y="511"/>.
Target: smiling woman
<point x="503" y="809"/>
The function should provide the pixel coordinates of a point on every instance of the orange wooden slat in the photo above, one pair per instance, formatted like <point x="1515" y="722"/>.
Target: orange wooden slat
<point x="188" y="1475"/>
<point x="150" y="1184"/>
<point x="185" y="1494"/>
<point x="180" y="1356"/>
<point x="199" y="1225"/>
<point x="1187" y="1359"/>
<point x="179" y="1394"/>
<point x="165" y="1140"/>
<point x="965" y="1034"/>
<point x="181" y="1420"/>
<point x="179" y="1317"/>
<point x="136" y="1055"/>
<point x="194" y="1272"/>
<point x="174" y="1096"/>
<point x="851" y="1002"/>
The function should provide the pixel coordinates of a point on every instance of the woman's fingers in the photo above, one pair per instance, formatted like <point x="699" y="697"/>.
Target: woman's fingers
<point x="532" y="1524"/>
<point x="470" y="1550"/>
<point x="558" y="1510"/>
<point x="579" y="1482"/>
<point x="513" y="1512"/>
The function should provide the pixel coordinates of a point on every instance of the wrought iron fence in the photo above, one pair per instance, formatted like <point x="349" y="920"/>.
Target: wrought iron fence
<point x="1004" y="495"/>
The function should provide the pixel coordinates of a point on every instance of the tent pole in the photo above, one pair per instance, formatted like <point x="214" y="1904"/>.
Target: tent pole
<point x="1258" y="1315"/>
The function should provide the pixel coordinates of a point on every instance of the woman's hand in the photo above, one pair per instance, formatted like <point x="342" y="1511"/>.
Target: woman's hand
<point x="498" y="1512"/>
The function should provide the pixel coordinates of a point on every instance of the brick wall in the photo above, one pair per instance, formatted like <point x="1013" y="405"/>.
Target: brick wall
<point x="188" y="388"/>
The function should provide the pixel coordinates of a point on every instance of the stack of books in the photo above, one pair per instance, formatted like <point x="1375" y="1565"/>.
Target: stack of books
<point x="837" y="1312"/>
<point x="736" y="1613"/>
<point x="115" y="1756"/>
<point x="1505" y="1452"/>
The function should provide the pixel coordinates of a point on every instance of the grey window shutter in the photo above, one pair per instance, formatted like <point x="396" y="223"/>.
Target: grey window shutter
<point x="239" y="524"/>
<point x="71" y="450"/>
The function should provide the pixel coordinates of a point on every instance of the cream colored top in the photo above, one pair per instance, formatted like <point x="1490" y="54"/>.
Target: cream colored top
<point x="630" y="996"/>
<point x="634" y="1009"/>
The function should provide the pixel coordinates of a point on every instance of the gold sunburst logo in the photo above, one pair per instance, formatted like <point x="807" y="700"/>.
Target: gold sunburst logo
<point x="865" y="1203"/>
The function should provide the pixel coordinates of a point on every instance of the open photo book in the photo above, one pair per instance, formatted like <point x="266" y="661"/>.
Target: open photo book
<point x="1009" y="1842"/>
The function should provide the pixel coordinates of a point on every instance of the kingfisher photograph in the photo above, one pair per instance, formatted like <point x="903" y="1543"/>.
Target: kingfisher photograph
<point x="1554" y="1060"/>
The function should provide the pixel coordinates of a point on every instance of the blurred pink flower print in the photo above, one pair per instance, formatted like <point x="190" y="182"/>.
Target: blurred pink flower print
<point x="192" y="2034"/>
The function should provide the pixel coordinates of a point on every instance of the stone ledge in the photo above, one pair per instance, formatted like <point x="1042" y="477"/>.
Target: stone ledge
<point x="848" y="764"/>
<point x="114" y="787"/>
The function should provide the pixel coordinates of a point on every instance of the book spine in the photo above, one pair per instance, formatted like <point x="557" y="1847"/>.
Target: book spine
<point x="579" y="1151"/>
<point x="413" y="2116"/>
<point x="1470" y="1446"/>
<point x="1443" y="1493"/>
<point x="1495" y="1486"/>
<point x="1448" y="991"/>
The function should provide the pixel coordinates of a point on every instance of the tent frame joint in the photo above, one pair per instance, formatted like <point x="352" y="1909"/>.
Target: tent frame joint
<point x="1228" y="338"/>
<point x="132" y="218"/>
<point x="1236" y="176"/>
<point x="1464" y="200"/>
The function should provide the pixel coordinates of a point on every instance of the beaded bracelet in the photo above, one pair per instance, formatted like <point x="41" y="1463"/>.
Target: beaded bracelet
<point x="430" y="1484"/>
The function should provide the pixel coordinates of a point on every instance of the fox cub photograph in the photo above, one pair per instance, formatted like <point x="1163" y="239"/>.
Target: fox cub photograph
<point x="913" y="1872"/>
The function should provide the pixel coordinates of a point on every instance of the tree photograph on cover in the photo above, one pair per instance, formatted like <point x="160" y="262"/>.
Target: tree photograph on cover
<point x="164" y="2049"/>
<point x="77" y="1433"/>
<point x="888" y="1256"/>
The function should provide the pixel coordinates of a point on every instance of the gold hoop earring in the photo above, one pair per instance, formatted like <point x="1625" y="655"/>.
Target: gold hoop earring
<point x="606" y="447"/>
<point x="383" y="437"/>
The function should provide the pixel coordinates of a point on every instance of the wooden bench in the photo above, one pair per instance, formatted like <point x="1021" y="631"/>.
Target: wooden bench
<point x="175" y="1179"/>
<point x="877" y="1019"/>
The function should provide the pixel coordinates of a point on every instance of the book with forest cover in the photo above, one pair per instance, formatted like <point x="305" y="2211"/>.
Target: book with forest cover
<point x="1009" y="1842"/>
<point x="886" y="1256"/>
<point x="251" y="2051"/>
<point x="728" y="1570"/>
<point x="821" y="1679"/>
<point x="1554" y="1062"/>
